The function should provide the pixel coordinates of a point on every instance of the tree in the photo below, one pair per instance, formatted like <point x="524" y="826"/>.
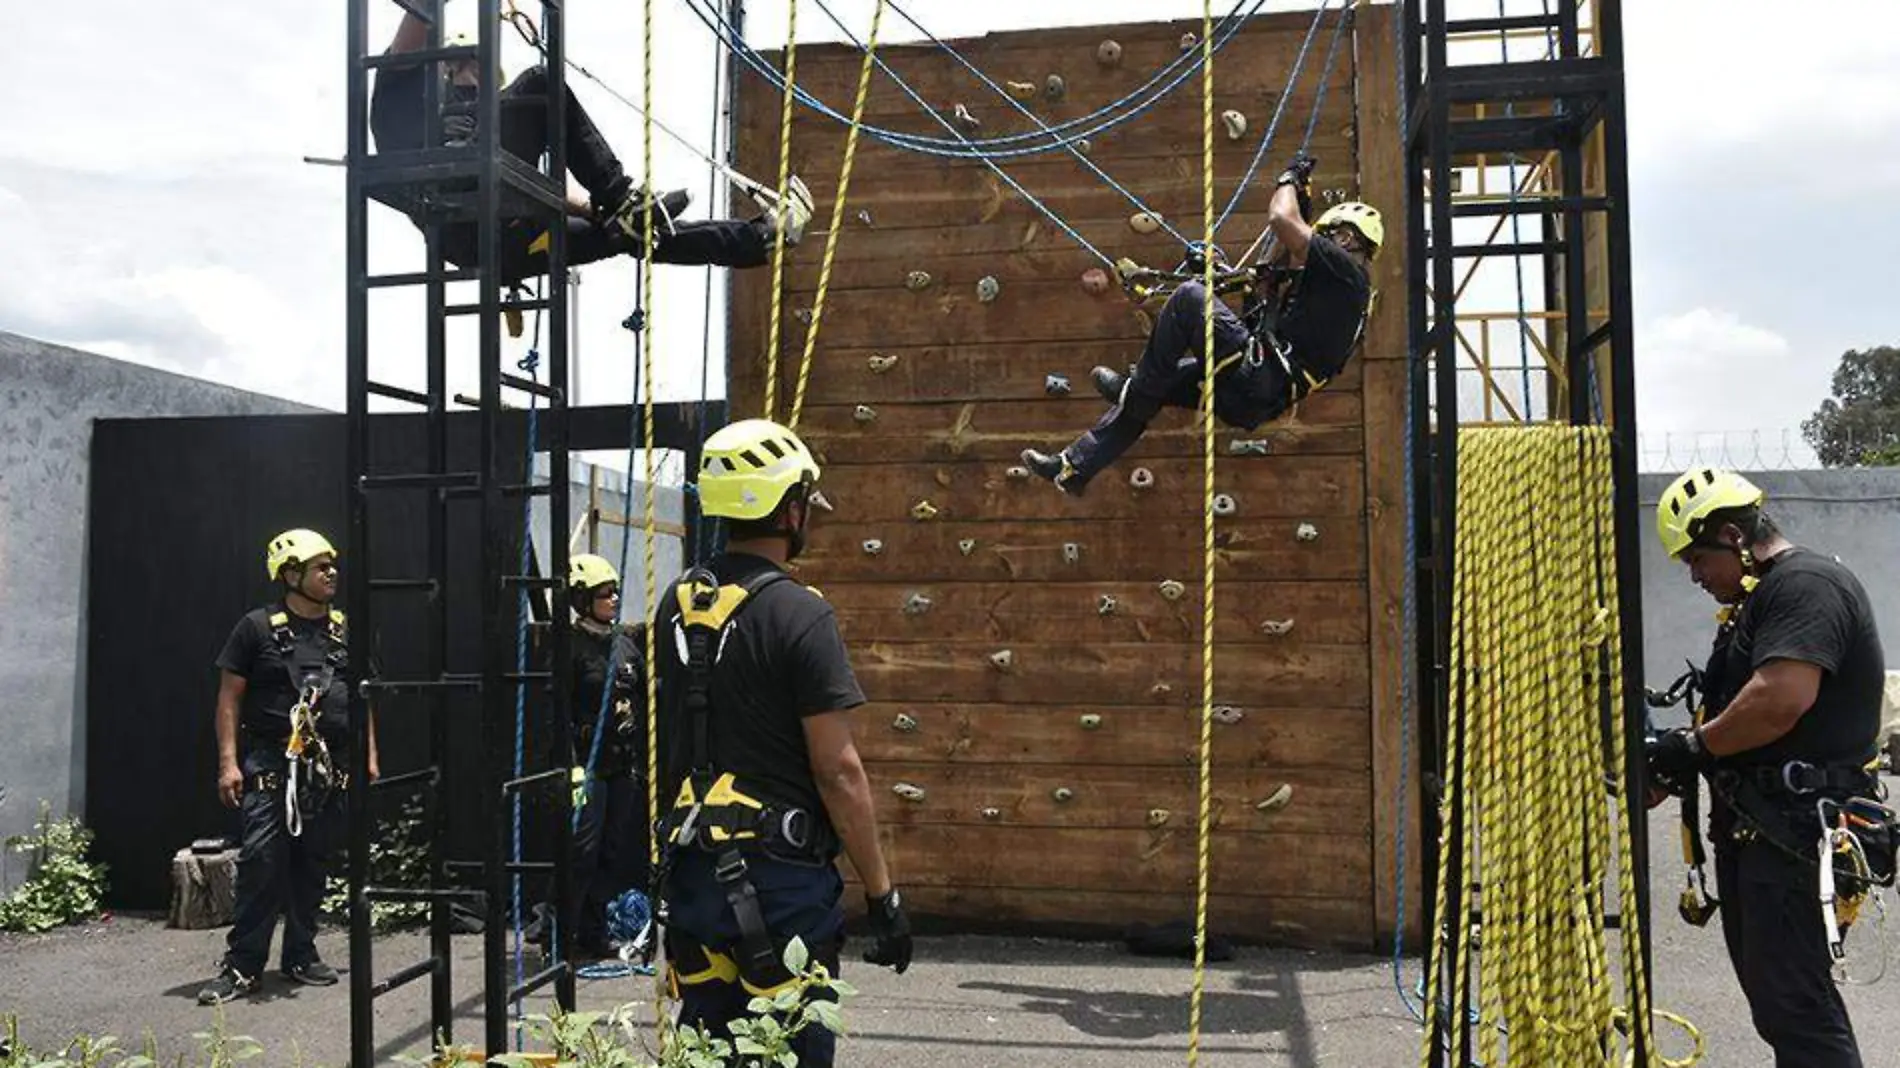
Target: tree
<point x="1860" y="424"/>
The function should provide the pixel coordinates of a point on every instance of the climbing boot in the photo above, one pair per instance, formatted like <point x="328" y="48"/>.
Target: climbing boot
<point x="311" y="973"/>
<point x="630" y="215"/>
<point x="230" y="985"/>
<point x="790" y="216"/>
<point x="1057" y="469"/>
<point x="1110" y="383"/>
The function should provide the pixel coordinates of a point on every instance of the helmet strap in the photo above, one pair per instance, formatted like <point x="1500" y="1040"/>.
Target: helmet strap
<point x="795" y="534"/>
<point x="296" y="586"/>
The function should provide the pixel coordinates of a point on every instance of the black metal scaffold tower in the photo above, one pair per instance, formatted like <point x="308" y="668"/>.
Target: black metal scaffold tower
<point x="1556" y="103"/>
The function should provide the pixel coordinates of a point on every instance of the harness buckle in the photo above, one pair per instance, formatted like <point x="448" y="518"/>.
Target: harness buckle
<point x="1801" y="778"/>
<point x="794" y="828"/>
<point x="729" y="867"/>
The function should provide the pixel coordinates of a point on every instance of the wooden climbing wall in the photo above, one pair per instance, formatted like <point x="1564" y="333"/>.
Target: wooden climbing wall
<point x="1059" y="789"/>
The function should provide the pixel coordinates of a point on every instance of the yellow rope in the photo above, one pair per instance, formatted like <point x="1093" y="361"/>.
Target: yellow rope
<point x="837" y="215"/>
<point x="1207" y="539"/>
<point x="648" y="305"/>
<point x="1535" y="654"/>
<point x="784" y="184"/>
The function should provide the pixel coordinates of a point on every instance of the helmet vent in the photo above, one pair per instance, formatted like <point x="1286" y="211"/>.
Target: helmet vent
<point x="772" y="446"/>
<point x="752" y="458"/>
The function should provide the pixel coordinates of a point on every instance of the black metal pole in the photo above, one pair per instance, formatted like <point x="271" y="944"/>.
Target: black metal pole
<point x="357" y="572"/>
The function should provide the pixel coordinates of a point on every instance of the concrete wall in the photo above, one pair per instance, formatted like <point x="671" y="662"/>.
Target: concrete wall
<point x="49" y="396"/>
<point x="1852" y="514"/>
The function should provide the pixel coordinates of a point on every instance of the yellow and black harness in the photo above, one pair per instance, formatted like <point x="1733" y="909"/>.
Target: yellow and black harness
<point x="309" y="773"/>
<point x="718" y="812"/>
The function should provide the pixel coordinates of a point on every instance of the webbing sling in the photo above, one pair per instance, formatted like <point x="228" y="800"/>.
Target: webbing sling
<point x="305" y="744"/>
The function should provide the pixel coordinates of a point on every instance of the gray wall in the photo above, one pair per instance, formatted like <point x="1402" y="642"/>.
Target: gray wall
<point x="1852" y="514"/>
<point x="49" y="396"/>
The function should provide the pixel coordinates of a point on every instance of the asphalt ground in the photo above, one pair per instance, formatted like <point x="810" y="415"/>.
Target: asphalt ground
<point x="968" y="1002"/>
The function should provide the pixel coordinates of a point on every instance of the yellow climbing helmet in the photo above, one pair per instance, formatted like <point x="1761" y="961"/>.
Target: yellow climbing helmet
<point x="586" y="571"/>
<point x="1687" y="504"/>
<point x="1360" y="216"/>
<point x="747" y="467"/>
<point x="295" y="547"/>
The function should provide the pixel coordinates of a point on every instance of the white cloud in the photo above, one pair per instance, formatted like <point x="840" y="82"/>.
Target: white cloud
<point x="1706" y="369"/>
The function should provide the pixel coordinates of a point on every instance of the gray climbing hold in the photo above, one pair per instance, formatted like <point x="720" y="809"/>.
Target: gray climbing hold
<point x="904" y="722"/>
<point x="1306" y="532"/>
<point x="1188" y="41"/>
<point x="803" y="315"/>
<point x="1024" y="91"/>
<point x="992" y="813"/>
<point x="1250" y="447"/>
<point x="1062" y="794"/>
<point x="1056" y="385"/>
<point x="1017" y="473"/>
<point x="1236" y="124"/>
<point x="1071" y="552"/>
<point x="1091" y="721"/>
<point x="922" y="511"/>
<point x="1109" y="53"/>
<point x="1054" y="87"/>
<point x="1141" y="478"/>
<point x="864" y="216"/>
<point x="908" y="792"/>
<point x="820" y="501"/>
<point x="964" y="118"/>
<point x="1002" y="659"/>
<point x="1106" y="605"/>
<point x="1083" y="145"/>
<point x="1095" y="281"/>
<point x="1276" y="627"/>
<point x="917" y="281"/>
<point x="1143" y="222"/>
<point x="966" y="546"/>
<point x="872" y="546"/>
<point x="864" y="413"/>
<point x="1172" y="590"/>
<point x="1158" y="816"/>
<point x="917" y="604"/>
<point x="1228" y="714"/>
<point x="986" y="289"/>
<point x="880" y="364"/>
<point x="1225" y="505"/>
<point x="1276" y="800"/>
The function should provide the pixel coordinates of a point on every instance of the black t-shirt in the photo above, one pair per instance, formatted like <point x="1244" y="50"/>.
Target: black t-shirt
<point x="1811" y="608"/>
<point x="270" y="690"/>
<point x="599" y="658"/>
<point x="395" y="108"/>
<point x="783" y="660"/>
<point x="1325" y="310"/>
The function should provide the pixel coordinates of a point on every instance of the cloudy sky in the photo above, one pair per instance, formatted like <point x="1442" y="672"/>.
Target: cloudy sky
<point x="155" y="206"/>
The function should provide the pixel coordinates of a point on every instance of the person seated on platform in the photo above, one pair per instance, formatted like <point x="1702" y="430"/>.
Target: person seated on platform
<point x="611" y="220"/>
<point x="1306" y="310"/>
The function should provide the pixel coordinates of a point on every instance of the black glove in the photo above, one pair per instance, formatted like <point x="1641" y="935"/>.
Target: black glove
<point x="1299" y="175"/>
<point x="890" y="932"/>
<point x="1677" y="755"/>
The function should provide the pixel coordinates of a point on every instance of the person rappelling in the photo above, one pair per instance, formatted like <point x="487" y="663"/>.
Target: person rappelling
<point x="1305" y="311"/>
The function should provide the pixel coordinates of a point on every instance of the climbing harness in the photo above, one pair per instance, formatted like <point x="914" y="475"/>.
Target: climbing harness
<point x="1695" y="905"/>
<point x="715" y="811"/>
<point x="309" y="774"/>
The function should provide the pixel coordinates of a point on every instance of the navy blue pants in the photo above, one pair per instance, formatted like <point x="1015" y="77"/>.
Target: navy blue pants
<point x="610" y="856"/>
<point x="1170" y="374"/>
<point x="797" y="900"/>
<point x="1771" y="919"/>
<point x="277" y="874"/>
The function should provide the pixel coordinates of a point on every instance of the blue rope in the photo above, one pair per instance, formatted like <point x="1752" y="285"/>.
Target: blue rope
<point x="1279" y="112"/>
<point x="531" y="364"/>
<point x="1061" y="224"/>
<point x="1079" y="155"/>
<point x="966" y="148"/>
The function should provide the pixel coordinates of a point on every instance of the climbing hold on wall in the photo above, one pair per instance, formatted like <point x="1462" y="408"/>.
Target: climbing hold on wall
<point x="1250" y="447"/>
<point x="1236" y="124"/>
<point x="1083" y="145"/>
<point x="1172" y="590"/>
<point x="1106" y="604"/>
<point x="1017" y="473"/>
<point x="1188" y="41"/>
<point x="992" y="813"/>
<point x="864" y="216"/>
<point x="1276" y="627"/>
<point x="1225" y="505"/>
<point x="917" y="604"/>
<point x="966" y="546"/>
<point x="904" y="722"/>
<point x="1307" y="532"/>
<point x="1143" y="222"/>
<point x="1071" y="552"/>
<point x="803" y="315"/>
<point x="917" y="281"/>
<point x="872" y="546"/>
<point x="820" y="501"/>
<point x="1002" y="659"/>
<point x="908" y="792"/>
<point x="964" y="118"/>
<point x="923" y="510"/>
<point x="1109" y="53"/>
<point x="1054" y="87"/>
<point x="1095" y="281"/>
<point x="1276" y="800"/>
<point x="864" y="413"/>
<point x="1158" y="816"/>
<point x="1062" y="795"/>
<point x="1228" y="714"/>
<point x="1141" y="478"/>
<point x="1055" y="385"/>
<point x="1023" y="90"/>
<point x="880" y="364"/>
<point x="1160" y="689"/>
<point x="986" y="288"/>
<point x="1091" y="721"/>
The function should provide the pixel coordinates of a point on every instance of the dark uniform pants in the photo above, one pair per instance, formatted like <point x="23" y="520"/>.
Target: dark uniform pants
<point x="278" y="874"/>
<point x="797" y="900"/>
<point x="1170" y="374"/>
<point x="524" y="134"/>
<point x="610" y="856"/>
<point x="1771" y="918"/>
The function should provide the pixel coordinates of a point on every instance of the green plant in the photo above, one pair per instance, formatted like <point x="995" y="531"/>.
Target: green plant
<point x="61" y="886"/>
<point x="398" y="856"/>
<point x="218" y="1049"/>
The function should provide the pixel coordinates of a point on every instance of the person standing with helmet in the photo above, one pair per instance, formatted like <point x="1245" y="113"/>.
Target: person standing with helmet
<point x="1793" y="688"/>
<point x="283" y="730"/>
<point x="1306" y="312"/>
<point x="754" y="701"/>
<point x="609" y="731"/>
